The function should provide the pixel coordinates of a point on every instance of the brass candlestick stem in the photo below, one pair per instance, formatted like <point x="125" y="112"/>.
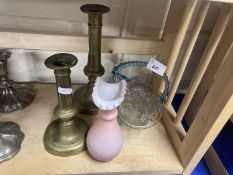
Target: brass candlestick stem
<point x="93" y="69"/>
<point x="13" y="96"/>
<point x="66" y="135"/>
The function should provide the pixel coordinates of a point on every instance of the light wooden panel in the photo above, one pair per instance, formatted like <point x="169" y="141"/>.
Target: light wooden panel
<point x="73" y="43"/>
<point x="201" y="42"/>
<point x="171" y="114"/>
<point x="180" y="35"/>
<point x="208" y="78"/>
<point x="57" y="16"/>
<point x="169" y="33"/>
<point x="143" y="19"/>
<point x="189" y="49"/>
<point x="165" y="19"/>
<point x="147" y="150"/>
<point x="206" y="57"/>
<point x="211" y="157"/>
<point x="214" y="163"/>
<point x="212" y="116"/>
<point x="171" y="129"/>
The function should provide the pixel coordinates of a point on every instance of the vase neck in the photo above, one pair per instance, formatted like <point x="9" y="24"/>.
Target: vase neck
<point x="108" y="115"/>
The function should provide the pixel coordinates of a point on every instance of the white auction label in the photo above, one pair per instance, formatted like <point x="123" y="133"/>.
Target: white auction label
<point x="64" y="91"/>
<point x="156" y="66"/>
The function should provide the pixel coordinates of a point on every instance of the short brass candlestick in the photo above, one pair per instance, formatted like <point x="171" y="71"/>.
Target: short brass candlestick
<point x="13" y="96"/>
<point x="93" y="69"/>
<point x="65" y="136"/>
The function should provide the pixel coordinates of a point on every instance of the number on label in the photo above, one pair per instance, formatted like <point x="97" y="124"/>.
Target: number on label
<point x="155" y="67"/>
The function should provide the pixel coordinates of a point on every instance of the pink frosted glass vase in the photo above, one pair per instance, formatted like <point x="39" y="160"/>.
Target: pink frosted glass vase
<point x="105" y="139"/>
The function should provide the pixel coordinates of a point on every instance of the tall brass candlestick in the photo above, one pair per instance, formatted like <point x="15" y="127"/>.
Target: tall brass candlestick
<point x="66" y="135"/>
<point x="93" y="68"/>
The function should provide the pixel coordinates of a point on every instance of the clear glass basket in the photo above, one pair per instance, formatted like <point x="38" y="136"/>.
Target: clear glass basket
<point x="141" y="107"/>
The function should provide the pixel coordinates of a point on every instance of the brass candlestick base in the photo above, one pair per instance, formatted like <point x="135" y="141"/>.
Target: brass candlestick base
<point x="13" y="96"/>
<point x="66" y="135"/>
<point x="68" y="139"/>
<point x="93" y="69"/>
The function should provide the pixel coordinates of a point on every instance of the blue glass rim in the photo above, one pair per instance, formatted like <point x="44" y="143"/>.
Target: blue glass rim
<point x="117" y="75"/>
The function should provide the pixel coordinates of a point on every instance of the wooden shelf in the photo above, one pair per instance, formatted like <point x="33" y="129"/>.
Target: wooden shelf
<point x="146" y="150"/>
<point x="68" y="43"/>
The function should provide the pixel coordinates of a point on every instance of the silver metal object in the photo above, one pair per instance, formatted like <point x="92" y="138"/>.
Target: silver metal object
<point x="13" y="96"/>
<point x="11" y="138"/>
